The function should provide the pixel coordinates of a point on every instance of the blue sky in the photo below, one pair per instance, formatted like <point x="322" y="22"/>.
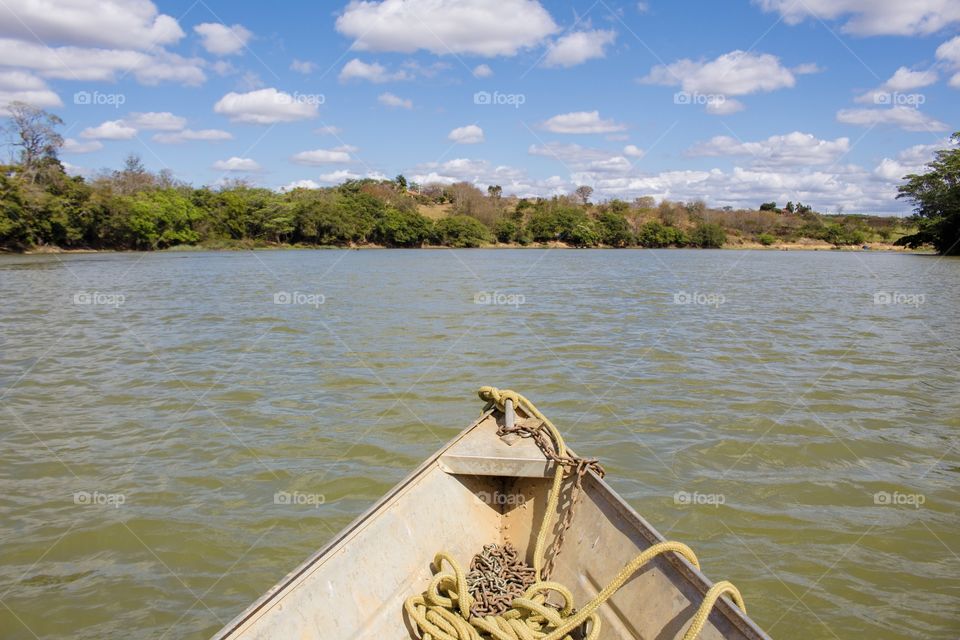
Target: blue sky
<point x="824" y="101"/>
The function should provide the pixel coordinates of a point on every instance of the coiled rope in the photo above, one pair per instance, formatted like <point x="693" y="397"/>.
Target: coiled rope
<point x="442" y="612"/>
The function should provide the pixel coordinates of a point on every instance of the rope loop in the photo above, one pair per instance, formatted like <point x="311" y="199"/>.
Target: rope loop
<point x="443" y="611"/>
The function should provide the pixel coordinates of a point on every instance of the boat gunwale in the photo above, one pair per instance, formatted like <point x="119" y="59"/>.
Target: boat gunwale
<point x="301" y="569"/>
<point x="688" y="571"/>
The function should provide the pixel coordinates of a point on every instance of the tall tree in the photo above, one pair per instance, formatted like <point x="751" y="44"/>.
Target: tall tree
<point x="34" y="132"/>
<point x="584" y="192"/>
<point x="134" y="177"/>
<point x="936" y="202"/>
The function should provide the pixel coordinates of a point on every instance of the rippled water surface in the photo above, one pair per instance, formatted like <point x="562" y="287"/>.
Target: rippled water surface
<point x="799" y="436"/>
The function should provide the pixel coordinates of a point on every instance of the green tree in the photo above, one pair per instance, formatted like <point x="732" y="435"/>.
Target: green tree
<point x="842" y="234"/>
<point x="158" y="219"/>
<point x="401" y="229"/>
<point x="562" y="223"/>
<point x="936" y="202"/>
<point x="655" y="234"/>
<point x="613" y="229"/>
<point x="12" y="223"/>
<point x="460" y="231"/>
<point x="708" y="235"/>
<point x="507" y="230"/>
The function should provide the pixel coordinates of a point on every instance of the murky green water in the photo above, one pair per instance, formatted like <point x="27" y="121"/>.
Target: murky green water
<point x="153" y="404"/>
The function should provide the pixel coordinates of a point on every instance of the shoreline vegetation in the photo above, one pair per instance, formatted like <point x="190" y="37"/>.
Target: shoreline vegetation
<point x="43" y="209"/>
<point x="877" y="247"/>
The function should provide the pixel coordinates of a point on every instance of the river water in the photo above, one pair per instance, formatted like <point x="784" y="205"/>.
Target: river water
<point x="792" y="416"/>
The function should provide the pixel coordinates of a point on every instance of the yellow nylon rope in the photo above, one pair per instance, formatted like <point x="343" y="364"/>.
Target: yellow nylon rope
<point x="442" y="612"/>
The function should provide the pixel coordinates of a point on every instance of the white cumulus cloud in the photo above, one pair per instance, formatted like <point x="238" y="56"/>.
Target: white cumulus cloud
<point x="872" y="17"/>
<point x="732" y="74"/>
<point x="790" y="149"/>
<point x="264" y="106"/>
<point x="633" y="151"/>
<point x="470" y="134"/>
<point x="482" y="71"/>
<point x="321" y="156"/>
<point x="477" y="27"/>
<point x="221" y="40"/>
<point x="156" y="121"/>
<point x="907" y="118"/>
<point x="392" y="100"/>
<point x="300" y="184"/>
<point x="20" y="86"/>
<point x="902" y="80"/>
<point x="578" y="47"/>
<point x="235" y="164"/>
<point x="303" y="66"/>
<point x="910" y="160"/>
<point x="109" y="130"/>
<point x="75" y="146"/>
<point x="133" y="24"/>
<point x="373" y="72"/>
<point x="338" y="176"/>
<point x="577" y="158"/>
<point x="79" y="63"/>
<point x="724" y="106"/>
<point x="581" y="122"/>
<point x="948" y="54"/>
<point x="188" y="135"/>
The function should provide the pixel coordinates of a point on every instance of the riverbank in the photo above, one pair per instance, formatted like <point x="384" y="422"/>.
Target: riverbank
<point x="802" y="245"/>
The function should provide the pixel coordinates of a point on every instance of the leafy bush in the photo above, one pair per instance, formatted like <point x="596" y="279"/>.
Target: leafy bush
<point x="838" y="234"/>
<point x="935" y="195"/>
<point x="460" y="231"/>
<point x="157" y="219"/>
<point x="766" y="239"/>
<point x="613" y="229"/>
<point x="655" y="234"/>
<point x="401" y="229"/>
<point x="563" y="223"/>
<point x="506" y="230"/>
<point x="708" y="235"/>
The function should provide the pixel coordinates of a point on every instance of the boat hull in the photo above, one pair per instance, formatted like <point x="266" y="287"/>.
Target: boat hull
<point x="460" y="499"/>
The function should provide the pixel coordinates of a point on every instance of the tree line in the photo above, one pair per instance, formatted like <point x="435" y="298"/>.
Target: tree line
<point x="132" y="208"/>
